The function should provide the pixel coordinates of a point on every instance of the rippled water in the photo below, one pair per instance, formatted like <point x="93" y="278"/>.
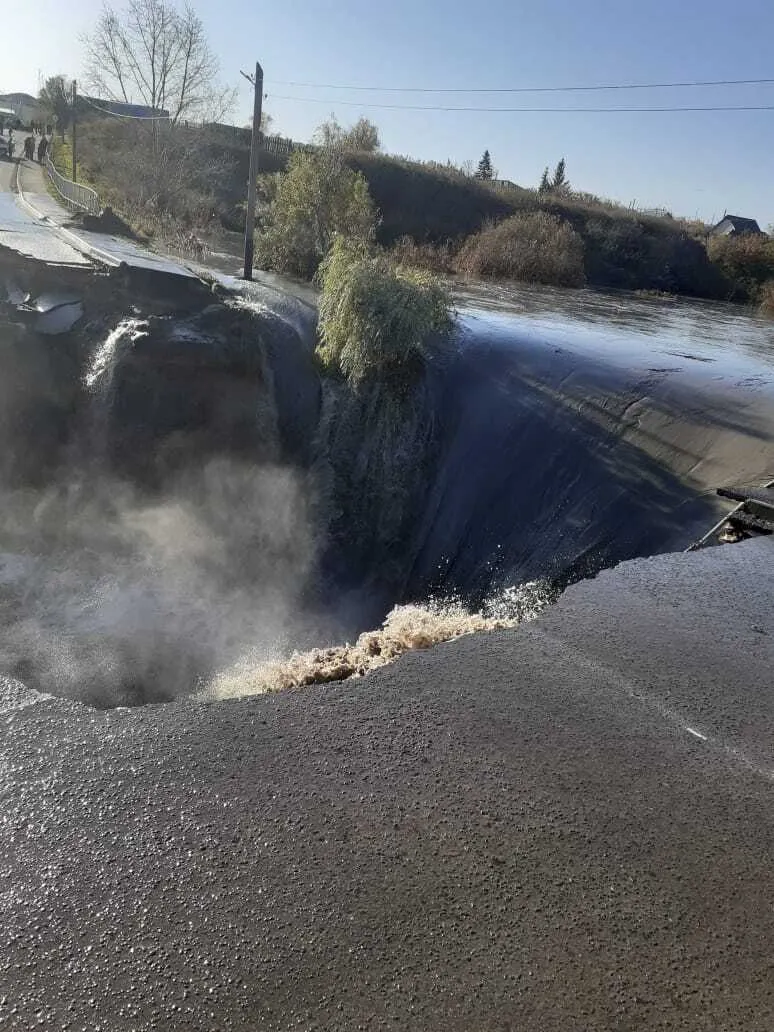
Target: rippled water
<point x="625" y="327"/>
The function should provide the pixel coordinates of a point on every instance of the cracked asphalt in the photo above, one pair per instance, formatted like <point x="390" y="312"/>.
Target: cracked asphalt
<point x="568" y="826"/>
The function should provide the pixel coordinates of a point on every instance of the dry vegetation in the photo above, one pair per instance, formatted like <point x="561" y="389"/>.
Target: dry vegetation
<point x="432" y="216"/>
<point x="534" y="248"/>
<point x="767" y="297"/>
<point x="747" y="264"/>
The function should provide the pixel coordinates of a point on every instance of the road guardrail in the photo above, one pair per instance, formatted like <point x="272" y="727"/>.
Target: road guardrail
<point x="75" y="195"/>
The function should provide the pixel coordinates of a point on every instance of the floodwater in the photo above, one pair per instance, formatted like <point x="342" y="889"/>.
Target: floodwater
<point x="627" y="328"/>
<point x="559" y="433"/>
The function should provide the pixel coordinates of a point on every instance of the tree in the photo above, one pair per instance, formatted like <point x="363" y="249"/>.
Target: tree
<point x="545" y="182"/>
<point x="55" y="99"/>
<point x="267" y="121"/>
<point x="153" y="54"/>
<point x="484" y="170"/>
<point x="330" y="134"/>
<point x="362" y="136"/>
<point x="560" y="182"/>
<point x="316" y="199"/>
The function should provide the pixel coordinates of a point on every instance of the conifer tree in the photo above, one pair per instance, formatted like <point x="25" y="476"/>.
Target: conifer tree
<point x="560" y="182"/>
<point x="484" y="170"/>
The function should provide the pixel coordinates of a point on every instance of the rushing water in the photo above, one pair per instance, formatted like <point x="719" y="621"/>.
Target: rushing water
<point x="186" y="504"/>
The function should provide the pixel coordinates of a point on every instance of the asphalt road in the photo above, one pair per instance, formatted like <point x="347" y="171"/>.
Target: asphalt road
<point x="21" y="232"/>
<point x="568" y="826"/>
<point x="43" y="230"/>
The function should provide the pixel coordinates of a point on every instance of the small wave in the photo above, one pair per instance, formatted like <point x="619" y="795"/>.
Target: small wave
<point x="406" y="628"/>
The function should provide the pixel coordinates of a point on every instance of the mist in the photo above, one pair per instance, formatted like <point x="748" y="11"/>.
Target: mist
<point x="112" y="598"/>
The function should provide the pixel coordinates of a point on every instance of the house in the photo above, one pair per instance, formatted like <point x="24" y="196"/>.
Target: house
<point x="735" y="225"/>
<point x="24" y="107"/>
<point x="94" y="106"/>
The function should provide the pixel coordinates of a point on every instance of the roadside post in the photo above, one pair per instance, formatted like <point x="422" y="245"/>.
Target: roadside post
<point x="257" y="82"/>
<point x="75" y="132"/>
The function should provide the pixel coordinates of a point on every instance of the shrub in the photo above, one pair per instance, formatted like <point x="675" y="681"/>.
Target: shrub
<point x="617" y="251"/>
<point x="363" y="136"/>
<point x="767" y="297"/>
<point x="378" y="320"/>
<point x="535" y="248"/>
<point x="316" y="199"/>
<point x="434" y="257"/>
<point x="157" y="175"/>
<point x="746" y="261"/>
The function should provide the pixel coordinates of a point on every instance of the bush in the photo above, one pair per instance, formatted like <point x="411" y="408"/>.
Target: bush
<point x="317" y="199"/>
<point x="746" y="261"/>
<point x="161" y="178"/>
<point x="535" y="248"/>
<point x="363" y="136"/>
<point x="767" y="297"/>
<point x="378" y="320"/>
<point x="434" y="257"/>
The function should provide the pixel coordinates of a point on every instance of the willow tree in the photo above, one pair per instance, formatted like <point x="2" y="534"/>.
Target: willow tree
<point x="152" y="53"/>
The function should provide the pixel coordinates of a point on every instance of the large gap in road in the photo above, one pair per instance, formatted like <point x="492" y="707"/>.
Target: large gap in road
<point x="186" y="504"/>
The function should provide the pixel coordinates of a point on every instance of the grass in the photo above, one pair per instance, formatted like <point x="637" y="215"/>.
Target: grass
<point x="62" y="156"/>
<point x="378" y="320"/>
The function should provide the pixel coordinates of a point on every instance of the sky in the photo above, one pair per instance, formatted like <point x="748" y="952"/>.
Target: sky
<point x="696" y="164"/>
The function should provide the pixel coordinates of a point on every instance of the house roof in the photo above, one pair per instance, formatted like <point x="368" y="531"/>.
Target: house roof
<point x="741" y="225"/>
<point x="118" y="107"/>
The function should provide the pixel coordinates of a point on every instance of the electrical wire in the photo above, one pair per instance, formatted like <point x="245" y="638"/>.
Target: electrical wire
<point x="524" y="110"/>
<point x="527" y="89"/>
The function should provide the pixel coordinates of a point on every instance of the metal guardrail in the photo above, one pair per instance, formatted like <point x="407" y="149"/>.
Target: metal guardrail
<point x="77" y="196"/>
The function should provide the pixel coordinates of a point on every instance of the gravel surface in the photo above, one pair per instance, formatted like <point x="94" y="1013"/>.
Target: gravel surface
<point x="568" y="826"/>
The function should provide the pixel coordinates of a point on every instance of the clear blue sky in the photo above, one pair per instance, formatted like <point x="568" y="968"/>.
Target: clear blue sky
<point x="693" y="163"/>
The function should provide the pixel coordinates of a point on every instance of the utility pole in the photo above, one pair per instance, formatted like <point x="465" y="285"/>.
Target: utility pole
<point x="75" y="132"/>
<point x="252" y="184"/>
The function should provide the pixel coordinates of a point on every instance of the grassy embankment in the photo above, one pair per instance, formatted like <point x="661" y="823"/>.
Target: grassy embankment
<point x="62" y="157"/>
<point x="434" y="215"/>
<point x="430" y="215"/>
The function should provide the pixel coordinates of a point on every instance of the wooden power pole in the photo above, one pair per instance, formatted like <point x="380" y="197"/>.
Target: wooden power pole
<point x="75" y="132"/>
<point x="252" y="182"/>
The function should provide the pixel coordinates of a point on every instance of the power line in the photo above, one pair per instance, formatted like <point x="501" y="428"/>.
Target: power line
<point x="524" y="110"/>
<point x="526" y="89"/>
